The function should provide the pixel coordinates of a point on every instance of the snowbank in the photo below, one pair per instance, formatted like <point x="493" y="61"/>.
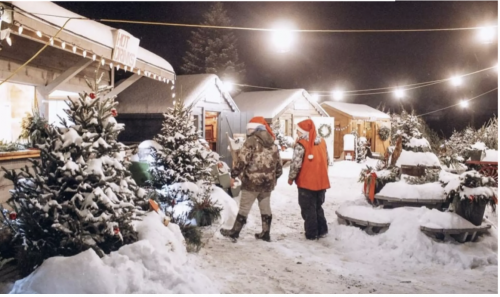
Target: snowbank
<point x="229" y="207"/>
<point x="480" y="146"/>
<point x="350" y="169"/>
<point x="417" y="158"/>
<point x="403" y="190"/>
<point x="365" y="213"/>
<point x="157" y="263"/>
<point x="445" y="220"/>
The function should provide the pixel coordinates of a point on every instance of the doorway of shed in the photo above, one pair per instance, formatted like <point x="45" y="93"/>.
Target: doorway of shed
<point x="211" y="128"/>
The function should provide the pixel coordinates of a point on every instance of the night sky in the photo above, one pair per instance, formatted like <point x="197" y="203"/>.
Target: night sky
<point x="323" y="61"/>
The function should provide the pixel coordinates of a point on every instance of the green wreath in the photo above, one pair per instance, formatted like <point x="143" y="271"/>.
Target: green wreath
<point x="384" y="133"/>
<point x="328" y="130"/>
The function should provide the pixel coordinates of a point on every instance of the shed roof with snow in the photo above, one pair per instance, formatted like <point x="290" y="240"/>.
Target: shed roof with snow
<point x="150" y="96"/>
<point x="357" y="111"/>
<point x="270" y="104"/>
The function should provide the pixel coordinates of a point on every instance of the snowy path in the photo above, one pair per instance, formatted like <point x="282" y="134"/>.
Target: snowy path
<point x="402" y="260"/>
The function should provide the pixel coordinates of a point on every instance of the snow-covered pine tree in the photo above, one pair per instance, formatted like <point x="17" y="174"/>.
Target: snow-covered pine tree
<point x="280" y="137"/>
<point x="405" y="125"/>
<point x="79" y="195"/>
<point x="214" y="51"/>
<point x="182" y="157"/>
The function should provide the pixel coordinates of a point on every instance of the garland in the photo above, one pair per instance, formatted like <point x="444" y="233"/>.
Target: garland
<point x="328" y="131"/>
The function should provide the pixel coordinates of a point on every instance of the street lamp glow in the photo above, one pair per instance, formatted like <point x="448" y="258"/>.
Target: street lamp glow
<point x="338" y="95"/>
<point x="315" y="97"/>
<point x="282" y="38"/>
<point x="228" y="86"/>
<point x="486" y="34"/>
<point x="399" y="93"/>
<point x="456" y="81"/>
<point x="464" y="103"/>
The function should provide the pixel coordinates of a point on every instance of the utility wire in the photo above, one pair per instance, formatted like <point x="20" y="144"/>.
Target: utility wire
<point x="427" y="113"/>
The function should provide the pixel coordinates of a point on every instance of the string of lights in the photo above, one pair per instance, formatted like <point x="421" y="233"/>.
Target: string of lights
<point x="463" y="103"/>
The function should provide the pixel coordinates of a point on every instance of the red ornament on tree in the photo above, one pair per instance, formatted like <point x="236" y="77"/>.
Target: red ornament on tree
<point x="116" y="230"/>
<point x="92" y="96"/>
<point x="114" y="112"/>
<point x="13" y="216"/>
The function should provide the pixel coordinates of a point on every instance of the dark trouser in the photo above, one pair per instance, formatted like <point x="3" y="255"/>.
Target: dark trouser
<point x="314" y="217"/>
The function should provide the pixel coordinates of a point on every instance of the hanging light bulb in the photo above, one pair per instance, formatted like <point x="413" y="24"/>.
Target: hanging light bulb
<point x="93" y="57"/>
<point x="9" y="41"/>
<point x="464" y="103"/>
<point x="399" y="93"/>
<point x="456" y="81"/>
<point x="131" y="69"/>
<point x="39" y="34"/>
<point x="154" y="76"/>
<point x="20" y="29"/>
<point x="84" y="53"/>
<point x="111" y="65"/>
<point x="51" y="41"/>
<point x="315" y="97"/>
<point x="125" y="68"/>
<point x="172" y="87"/>
<point x="338" y="95"/>
<point x="63" y="45"/>
<point x="139" y="71"/>
<point x="118" y="67"/>
<point x="173" y="95"/>
<point x="103" y="62"/>
<point x="74" y="49"/>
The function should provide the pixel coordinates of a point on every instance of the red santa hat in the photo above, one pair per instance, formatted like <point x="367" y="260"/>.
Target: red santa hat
<point x="260" y="121"/>
<point x="307" y="126"/>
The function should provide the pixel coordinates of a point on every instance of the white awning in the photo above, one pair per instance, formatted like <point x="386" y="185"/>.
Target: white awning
<point x="94" y="37"/>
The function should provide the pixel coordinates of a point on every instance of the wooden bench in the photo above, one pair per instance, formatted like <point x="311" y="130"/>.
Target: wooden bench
<point x="460" y="235"/>
<point x="369" y="227"/>
<point x="392" y="202"/>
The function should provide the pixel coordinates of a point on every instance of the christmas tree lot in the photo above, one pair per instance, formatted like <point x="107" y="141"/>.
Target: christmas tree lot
<point x="181" y="174"/>
<point x="79" y="195"/>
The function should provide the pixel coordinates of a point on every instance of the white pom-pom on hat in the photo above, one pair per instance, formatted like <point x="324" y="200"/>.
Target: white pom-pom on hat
<point x="310" y="157"/>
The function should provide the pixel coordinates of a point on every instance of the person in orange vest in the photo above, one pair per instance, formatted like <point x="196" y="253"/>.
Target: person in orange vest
<point x="258" y="166"/>
<point x="309" y="170"/>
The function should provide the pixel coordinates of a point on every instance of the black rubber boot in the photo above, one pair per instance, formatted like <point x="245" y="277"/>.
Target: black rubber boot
<point x="235" y="231"/>
<point x="266" y="228"/>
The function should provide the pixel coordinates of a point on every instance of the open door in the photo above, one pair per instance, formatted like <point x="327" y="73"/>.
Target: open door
<point x="211" y="129"/>
<point x="326" y="129"/>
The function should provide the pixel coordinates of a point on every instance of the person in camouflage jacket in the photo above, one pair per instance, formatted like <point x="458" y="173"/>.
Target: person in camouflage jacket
<point x="259" y="167"/>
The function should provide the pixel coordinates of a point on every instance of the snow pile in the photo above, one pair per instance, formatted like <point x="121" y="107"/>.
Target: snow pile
<point x="418" y="142"/>
<point x="350" y="169"/>
<point x="491" y="156"/>
<point x="404" y="244"/>
<point x="445" y="220"/>
<point x="480" y="146"/>
<point x="403" y="190"/>
<point x="229" y="207"/>
<point x="156" y="264"/>
<point x="365" y="213"/>
<point x="417" y="158"/>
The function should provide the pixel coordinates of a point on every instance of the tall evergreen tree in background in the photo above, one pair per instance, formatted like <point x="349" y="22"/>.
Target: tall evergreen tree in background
<point x="214" y="50"/>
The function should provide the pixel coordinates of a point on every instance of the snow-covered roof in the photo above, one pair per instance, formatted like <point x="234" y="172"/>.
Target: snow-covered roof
<point x="150" y="96"/>
<point x="357" y="111"/>
<point x="92" y="30"/>
<point x="269" y="104"/>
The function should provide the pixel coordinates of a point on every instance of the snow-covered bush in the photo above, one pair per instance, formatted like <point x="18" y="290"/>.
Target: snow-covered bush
<point x="80" y="194"/>
<point x="470" y="185"/>
<point x="384" y="176"/>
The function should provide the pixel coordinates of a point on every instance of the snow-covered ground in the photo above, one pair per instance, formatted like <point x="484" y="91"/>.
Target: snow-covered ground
<point x="401" y="260"/>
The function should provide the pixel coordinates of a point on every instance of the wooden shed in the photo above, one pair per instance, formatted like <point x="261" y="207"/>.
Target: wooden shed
<point x="288" y="106"/>
<point x="363" y="119"/>
<point x="142" y="106"/>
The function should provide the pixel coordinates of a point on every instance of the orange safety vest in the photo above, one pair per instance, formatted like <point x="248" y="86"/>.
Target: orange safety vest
<point x="313" y="174"/>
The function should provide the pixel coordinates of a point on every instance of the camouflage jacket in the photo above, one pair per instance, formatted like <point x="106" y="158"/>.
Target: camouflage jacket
<point x="298" y="157"/>
<point x="259" y="163"/>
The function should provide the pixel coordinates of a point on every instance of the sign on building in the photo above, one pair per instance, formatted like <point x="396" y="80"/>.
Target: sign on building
<point x="126" y="48"/>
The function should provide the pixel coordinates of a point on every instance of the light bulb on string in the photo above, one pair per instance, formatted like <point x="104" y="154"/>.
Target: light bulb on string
<point x="399" y="93"/>
<point x="131" y="69"/>
<point x="84" y="53"/>
<point x="103" y="62"/>
<point x="338" y="95"/>
<point x="172" y="87"/>
<point x="63" y="45"/>
<point x="9" y="41"/>
<point x="282" y="38"/>
<point x="315" y="97"/>
<point x="228" y="86"/>
<point x="125" y="68"/>
<point x="51" y="41"/>
<point x="487" y="34"/>
<point x="93" y="57"/>
<point x="139" y="71"/>
<point x="464" y="103"/>
<point x="20" y="29"/>
<point x="74" y="49"/>
<point x="110" y="64"/>
<point x="173" y="95"/>
<point x="456" y="81"/>
<point x="39" y="34"/>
